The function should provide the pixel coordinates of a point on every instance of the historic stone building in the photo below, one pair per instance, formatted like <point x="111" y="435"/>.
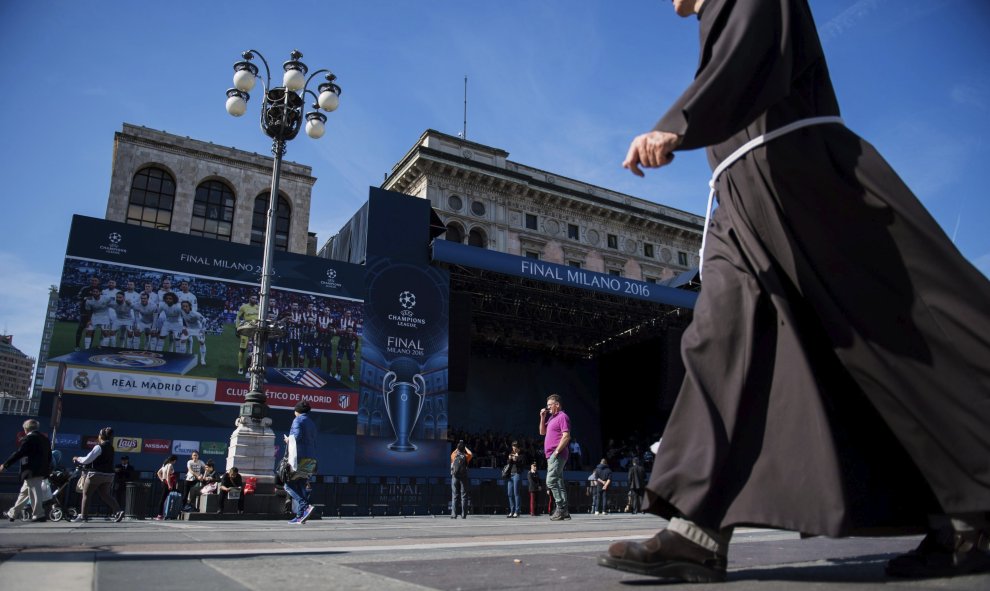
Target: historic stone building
<point x="165" y="181"/>
<point x="487" y="200"/>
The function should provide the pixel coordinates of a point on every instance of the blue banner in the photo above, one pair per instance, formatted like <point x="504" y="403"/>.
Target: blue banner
<point x="67" y="440"/>
<point x="480" y="258"/>
<point x="402" y="416"/>
<point x="109" y="242"/>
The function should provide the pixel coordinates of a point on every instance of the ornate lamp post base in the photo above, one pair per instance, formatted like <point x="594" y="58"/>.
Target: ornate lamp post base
<point x="252" y="448"/>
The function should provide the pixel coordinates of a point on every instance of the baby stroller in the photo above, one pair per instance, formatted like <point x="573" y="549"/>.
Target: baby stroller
<point x="59" y="480"/>
<point x="58" y="483"/>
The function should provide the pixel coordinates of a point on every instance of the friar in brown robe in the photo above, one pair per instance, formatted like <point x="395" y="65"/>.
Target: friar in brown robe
<point x="838" y="362"/>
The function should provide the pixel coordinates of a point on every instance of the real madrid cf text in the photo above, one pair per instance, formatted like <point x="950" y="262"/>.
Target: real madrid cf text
<point x="153" y="385"/>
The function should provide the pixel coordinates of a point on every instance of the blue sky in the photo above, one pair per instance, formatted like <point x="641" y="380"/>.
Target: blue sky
<point x="561" y="85"/>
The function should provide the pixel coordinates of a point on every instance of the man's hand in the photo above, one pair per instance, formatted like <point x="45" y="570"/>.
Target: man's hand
<point x="651" y="150"/>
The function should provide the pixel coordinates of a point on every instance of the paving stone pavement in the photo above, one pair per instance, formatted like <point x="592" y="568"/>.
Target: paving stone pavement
<point x="395" y="553"/>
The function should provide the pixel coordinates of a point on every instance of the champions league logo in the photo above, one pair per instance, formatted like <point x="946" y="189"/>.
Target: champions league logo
<point x="406" y="317"/>
<point x="113" y="247"/>
<point x="331" y="281"/>
<point x="129" y="359"/>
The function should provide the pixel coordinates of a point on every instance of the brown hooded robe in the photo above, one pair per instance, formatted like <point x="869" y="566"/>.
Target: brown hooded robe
<point x="838" y="363"/>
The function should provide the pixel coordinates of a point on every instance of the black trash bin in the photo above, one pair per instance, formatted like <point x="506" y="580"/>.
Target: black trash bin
<point x="136" y="501"/>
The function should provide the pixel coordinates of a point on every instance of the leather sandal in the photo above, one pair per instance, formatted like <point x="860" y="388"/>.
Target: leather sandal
<point x="944" y="554"/>
<point x="667" y="555"/>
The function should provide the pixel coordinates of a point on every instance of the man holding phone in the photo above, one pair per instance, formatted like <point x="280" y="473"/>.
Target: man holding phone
<point x="555" y="425"/>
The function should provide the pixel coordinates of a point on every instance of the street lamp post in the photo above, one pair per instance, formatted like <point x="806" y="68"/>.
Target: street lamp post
<point x="281" y="119"/>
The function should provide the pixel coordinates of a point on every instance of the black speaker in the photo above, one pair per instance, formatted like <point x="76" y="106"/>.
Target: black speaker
<point x="459" y="345"/>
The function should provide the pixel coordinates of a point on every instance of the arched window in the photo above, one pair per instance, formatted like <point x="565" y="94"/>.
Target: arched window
<point x="213" y="211"/>
<point x="477" y="238"/>
<point x="151" y="199"/>
<point x="259" y="223"/>
<point x="454" y="233"/>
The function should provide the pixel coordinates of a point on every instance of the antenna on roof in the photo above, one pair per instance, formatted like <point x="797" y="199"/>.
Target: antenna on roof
<point x="464" y="133"/>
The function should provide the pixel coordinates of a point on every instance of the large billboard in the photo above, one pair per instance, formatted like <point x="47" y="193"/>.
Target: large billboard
<point x="147" y="314"/>
<point x="403" y="413"/>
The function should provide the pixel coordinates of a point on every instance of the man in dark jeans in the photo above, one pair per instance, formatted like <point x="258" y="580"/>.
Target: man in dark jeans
<point x="637" y="482"/>
<point x="301" y="447"/>
<point x="459" y="460"/>
<point x="231" y="479"/>
<point x="122" y="474"/>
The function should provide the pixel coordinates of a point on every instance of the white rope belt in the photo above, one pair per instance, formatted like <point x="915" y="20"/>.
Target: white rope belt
<point x="742" y="151"/>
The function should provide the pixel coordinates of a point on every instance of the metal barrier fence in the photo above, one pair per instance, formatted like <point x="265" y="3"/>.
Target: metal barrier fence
<point x="340" y="496"/>
<point x="395" y="495"/>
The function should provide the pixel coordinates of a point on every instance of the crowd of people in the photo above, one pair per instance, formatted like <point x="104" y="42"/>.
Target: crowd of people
<point x="490" y="449"/>
<point x="180" y="489"/>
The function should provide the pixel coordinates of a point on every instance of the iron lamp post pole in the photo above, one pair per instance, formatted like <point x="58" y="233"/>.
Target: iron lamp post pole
<point x="281" y="119"/>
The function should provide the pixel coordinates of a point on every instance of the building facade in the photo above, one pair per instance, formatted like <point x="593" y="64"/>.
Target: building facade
<point x="487" y="200"/>
<point x="169" y="182"/>
<point x="16" y="370"/>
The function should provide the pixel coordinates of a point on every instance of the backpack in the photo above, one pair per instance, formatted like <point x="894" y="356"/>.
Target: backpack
<point x="458" y="468"/>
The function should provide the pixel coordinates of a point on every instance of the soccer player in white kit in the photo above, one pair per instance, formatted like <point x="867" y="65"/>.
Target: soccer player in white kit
<point x="171" y="319"/>
<point x="152" y="294"/>
<point x="99" y="306"/>
<point x="194" y="331"/>
<point x="111" y="292"/>
<point x="145" y="315"/>
<point x="185" y="295"/>
<point x="133" y="297"/>
<point x="123" y="320"/>
<point x="166" y="287"/>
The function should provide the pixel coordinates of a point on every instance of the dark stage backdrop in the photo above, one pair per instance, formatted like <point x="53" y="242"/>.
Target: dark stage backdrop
<point x="639" y="385"/>
<point x="505" y="394"/>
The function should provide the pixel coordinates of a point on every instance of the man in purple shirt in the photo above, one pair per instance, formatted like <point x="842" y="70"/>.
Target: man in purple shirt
<point x="556" y="426"/>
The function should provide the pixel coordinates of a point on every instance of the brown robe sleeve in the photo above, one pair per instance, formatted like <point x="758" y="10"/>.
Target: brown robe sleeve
<point x="747" y="65"/>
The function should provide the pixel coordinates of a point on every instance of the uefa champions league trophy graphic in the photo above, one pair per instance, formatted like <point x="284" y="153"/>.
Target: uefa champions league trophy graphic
<point x="403" y="403"/>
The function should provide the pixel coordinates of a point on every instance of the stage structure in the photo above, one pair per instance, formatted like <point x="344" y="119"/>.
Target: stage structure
<point x="371" y="347"/>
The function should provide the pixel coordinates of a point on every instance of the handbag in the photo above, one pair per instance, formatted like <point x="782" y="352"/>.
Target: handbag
<point x="82" y="482"/>
<point x="507" y="470"/>
<point x="209" y="489"/>
<point x="283" y="473"/>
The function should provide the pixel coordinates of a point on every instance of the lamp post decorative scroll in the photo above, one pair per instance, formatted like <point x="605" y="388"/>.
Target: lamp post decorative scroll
<point x="281" y="119"/>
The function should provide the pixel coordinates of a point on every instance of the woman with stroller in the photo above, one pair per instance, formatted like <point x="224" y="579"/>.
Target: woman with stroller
<point x="98" y="476"/>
